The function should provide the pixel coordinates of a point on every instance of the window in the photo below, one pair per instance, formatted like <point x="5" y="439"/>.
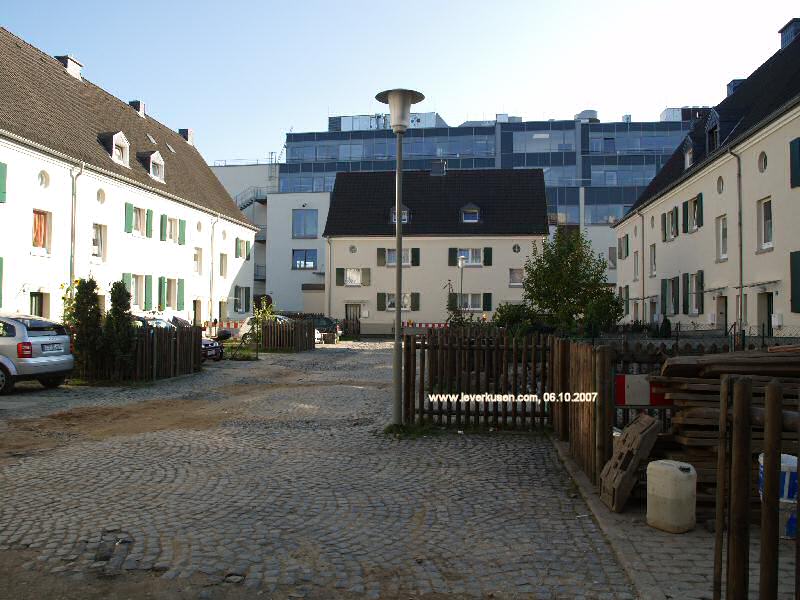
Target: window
<point x="471" y="256"/>
<point x="241" y="299"/>
<point x="515" y="277"/>
<point x="140" y="221"/>
<point x="99" y="241"/>
<point x="172" y="293"/>
<point x="173" y="230"/>
<point x="304" y="223"/>
<point x="404" y="212"/>
<point x="198" y="261"/>
<point x="304" y="259"/>
<point x="612" y="257"/>
<point x="405" y="302"/>
<point x="470" y="215"/>
<point x="720" y="184"/>
<point x="137" y="290"/>
<point x="722" y="237"/>
<point x="713" y="138"/>
<point x="688" y="157"/>
<point x="694" y="216"/>
<point x="101" y="196"/>
<point x="41" y="231"/>
<point x="765" y="224"/>
<point x="352" y="277"/>
<point x="44" y="179"/>
<point x="636" y="265"/>
<point x="241" y="249"/>
<point x="672" y="294"/>
<point x="652" y="260"/>
<point x="39" y="304"/>
<point x="223" y="265"/>
<point x="391" y="257"/>
<point x="694" y="294"/>
<point x="762" y="162"/>
<point x="157" y="169"/>
<point x="120" y="149"/>
<point x="470" y="301"/>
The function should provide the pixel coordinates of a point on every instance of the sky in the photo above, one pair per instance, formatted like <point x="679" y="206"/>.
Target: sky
<point x="243" y="74"/>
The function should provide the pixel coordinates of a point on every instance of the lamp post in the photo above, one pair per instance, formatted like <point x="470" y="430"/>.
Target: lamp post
<point x="461" y="261"/>
<point x="399" y="102"/>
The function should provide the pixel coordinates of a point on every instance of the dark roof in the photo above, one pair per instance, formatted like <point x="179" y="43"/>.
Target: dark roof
<point x="511" y="202"/>
<point x="41" y="102"/>
<point x="771" y="87"/>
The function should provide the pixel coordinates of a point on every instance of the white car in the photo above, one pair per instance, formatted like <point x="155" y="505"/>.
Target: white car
<point x="317" y="336"/>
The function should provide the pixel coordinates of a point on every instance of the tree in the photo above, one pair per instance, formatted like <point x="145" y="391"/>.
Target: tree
<point x="565" y="284"/>
<point x="118" y="332"/>
<point x="87" y="324"/>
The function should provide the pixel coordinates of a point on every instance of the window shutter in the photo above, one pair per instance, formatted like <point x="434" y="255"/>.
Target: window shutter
<point x="149" y="224"/>
<point x="414" y="300"/>
<point x="487" y="302"/>
<point x="620" y="253"/>
<point x="685" y="226"/>
<point x="162" y="293"/>
<point x="794" y="279"/>
<point x="381" y="301"/>
<point x="148" y="292"/>
<point x="663" y="227"/>
<point x="180" y="294"/>
<point x="700" y="209"/>
<point x="247" y="249"/>
<point x="700" y="294"/>
<point x="381" y="257"/>
<point x="627" y="245"/>
<point x="126" y="280"/>
<point x="676" y="288"/>
<point x="685" y="289"/>
<point x="675" y="220"/>
<point x="3" y="178"/>
<point x="452" y="257"/>
<point x="452" y="301"/>
<point x="664" y="296"/>
<point x="487" y="257"/>
<point x="627" y="297"/>
<point x="1" y="281"/>
<point x="247" y="299"/>
<point x="366" y="278"/>
<point x="163" y="228"/>
<point x="794" y="170"/>
<point x="181" y="232"/>
<point x="236" y="248"/>
<point x="236" y="307"/>
<point x="415" y="257"/>
<point x="128" y="217"/>
<point x="339" y="276"/>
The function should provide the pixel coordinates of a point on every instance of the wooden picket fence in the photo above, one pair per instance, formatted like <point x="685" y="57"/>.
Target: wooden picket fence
<point x="292" y="336"/>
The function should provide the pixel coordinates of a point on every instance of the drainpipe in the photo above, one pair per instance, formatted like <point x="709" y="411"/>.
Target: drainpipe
<point x="641" y="264"/>
<point x="211" y="274"/>
<point x="328" y="285"/>
<point x="739" y="307"/>
<point x="74" y="176"/>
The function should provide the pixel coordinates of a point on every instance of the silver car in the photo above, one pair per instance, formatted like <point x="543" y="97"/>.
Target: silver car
<point x="33" y="348"/>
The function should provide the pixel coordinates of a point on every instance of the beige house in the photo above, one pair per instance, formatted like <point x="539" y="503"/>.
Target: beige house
<point x="466" y="237"/>
<point x="715" y="238"/>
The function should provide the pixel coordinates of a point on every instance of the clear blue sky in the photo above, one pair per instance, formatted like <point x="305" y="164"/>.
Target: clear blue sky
<point x="241" y="74"/>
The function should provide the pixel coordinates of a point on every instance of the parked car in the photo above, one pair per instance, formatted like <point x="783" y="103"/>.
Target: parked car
<point x="212" y="349"/>
<point x="317" y="336"/>
<point x="247" y="325"/>
<point x="328" y="325"/>
<point x="33" y="348"/>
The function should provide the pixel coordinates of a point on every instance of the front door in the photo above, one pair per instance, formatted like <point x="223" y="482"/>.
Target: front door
<point x="197" y="309"/>
<point x="722" y="312"/>
<point x="352" y="312"/>
<point x="764" y="311"/>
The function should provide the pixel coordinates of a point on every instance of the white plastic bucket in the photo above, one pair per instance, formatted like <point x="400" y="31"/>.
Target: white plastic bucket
<point x="787" y="484"/>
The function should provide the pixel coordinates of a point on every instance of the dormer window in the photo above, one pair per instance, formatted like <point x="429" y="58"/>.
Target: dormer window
<point x="404" y="213"/>
<point x="688" y="158"/>
<point x="470" y="215"/>
<point x="713" y="139"/>
<point x="120" y="149"/>
<point x="157" y="166"/>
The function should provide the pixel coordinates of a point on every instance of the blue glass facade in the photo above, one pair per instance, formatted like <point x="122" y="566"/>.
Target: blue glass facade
<point x="611" y="162"/>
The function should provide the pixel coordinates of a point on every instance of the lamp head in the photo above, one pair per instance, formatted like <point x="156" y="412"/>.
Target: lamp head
<point x="461" y="261"/>
<point x="400" y="101"/>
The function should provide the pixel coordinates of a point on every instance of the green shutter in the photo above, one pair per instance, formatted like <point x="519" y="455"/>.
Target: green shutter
<point x="627" y="297"/>
<point x="794" y="280"/>
<point x="415" y="257"/>
<point x="181" y="232"/>
<point x="676" y="287"/>
<point x="414" y="300"/>
<point x="620" y="253"/>
<point x="180" y="294"/>
<point x="675" y="219"/>
<point x="627" y="245"/>
<point x="247" y="299"/>
<point x="149" y="224"/>
<point x="452" y="257"/>
<point x="162" y="293"/>
<point x="148" y="292"/>
<point x="366" y="277"/>
<point x="487" y="257"/>
<point x="236" y="306"/>
<point x="247" y="249"/>
<point x="794" y="168"/>
<point x="1" y="281"/>
<point x="339" y="276"/>
<point x="700" y="292"/>
<point x="685" y="290"/>
<point x="381" y="257"/>
<point x="685" y="226"/>
<point x="381" y="301"/>
<point x="164" y="220"/>
<point x="487" y="302"/>
<point x="128" y="217"/>
<point x="664" y="297"/>
<point x="126" y="280"/>
<point x="663" y="227"/>
<point x="700" y="209"/>
<point x="452" y="301"/>
<point x="3" y="178"/>
<point x="236" y="252"/>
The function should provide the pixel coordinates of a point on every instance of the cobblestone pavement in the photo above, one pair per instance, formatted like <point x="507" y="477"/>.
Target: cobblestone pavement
<point x="304" y="496"/>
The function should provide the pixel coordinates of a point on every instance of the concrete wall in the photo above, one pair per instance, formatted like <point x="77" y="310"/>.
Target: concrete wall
<point x="29" y="270"/>
<point x="429" y="279"/>
<point x="765" y="271"/>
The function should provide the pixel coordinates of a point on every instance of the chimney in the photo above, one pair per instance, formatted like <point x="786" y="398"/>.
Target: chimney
<point x="733" y="84"/>
<point x="789" y="32"/>
<point x="138" y="106"/>
<point x="187" y="134"/>
<point x="72" y="66"/>
<point x="626" y="118"/>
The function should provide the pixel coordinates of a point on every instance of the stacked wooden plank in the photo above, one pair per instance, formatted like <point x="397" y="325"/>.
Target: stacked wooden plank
<point x="693" y="385"/>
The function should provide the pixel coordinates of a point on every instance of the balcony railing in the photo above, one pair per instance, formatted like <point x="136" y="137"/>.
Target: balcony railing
<point x="260" y="273"/>
<point x="254" y="194"/>
<point x="261" y="234"/>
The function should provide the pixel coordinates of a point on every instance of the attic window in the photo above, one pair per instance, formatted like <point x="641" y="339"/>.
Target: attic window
<point x="713" y="139"/>
<point x="688" y="157"/>
<point x="157" y="166"/>
<point x="470" y="215"/>
<point x="120" y="149"/>
<point x="151" y="138"/>
<point x="171" y="149"/>
<point x="404" y="214"/>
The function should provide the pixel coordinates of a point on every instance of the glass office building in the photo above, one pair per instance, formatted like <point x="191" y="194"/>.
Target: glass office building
<point x="599" y="168"/>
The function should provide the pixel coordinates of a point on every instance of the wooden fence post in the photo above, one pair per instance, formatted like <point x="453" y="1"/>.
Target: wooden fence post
<point x="773" y="426"/>
<point x="604" y="428"/>
<point x="722" y="482"/>
<point x="738" y="578"/>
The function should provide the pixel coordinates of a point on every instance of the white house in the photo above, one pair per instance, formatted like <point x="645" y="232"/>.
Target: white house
<point x="714" y="239"/>
<point x="93" y="186"/>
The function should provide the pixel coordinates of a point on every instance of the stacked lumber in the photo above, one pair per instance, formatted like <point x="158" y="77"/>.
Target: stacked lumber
<point x="693" y="384"/>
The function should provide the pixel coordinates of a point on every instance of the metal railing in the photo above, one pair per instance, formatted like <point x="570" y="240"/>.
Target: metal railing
<point x="255" y="193"/>
<point x="260" y="272"/>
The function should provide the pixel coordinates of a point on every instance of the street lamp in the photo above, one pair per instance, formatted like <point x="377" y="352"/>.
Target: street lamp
<point x="399" y="102"/>
<point x="461" y="261"/>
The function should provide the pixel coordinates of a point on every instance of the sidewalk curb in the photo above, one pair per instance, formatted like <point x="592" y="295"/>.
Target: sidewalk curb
<point x="637" y="570"/>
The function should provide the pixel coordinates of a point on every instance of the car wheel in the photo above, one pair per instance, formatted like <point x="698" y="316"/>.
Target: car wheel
<point x="52" y="382"/>
<point x="218" y="358"/>
<point x="6" y="382"/>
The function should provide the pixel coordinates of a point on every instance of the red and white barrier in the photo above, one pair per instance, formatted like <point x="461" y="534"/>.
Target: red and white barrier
<point x="636" y="390"/>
